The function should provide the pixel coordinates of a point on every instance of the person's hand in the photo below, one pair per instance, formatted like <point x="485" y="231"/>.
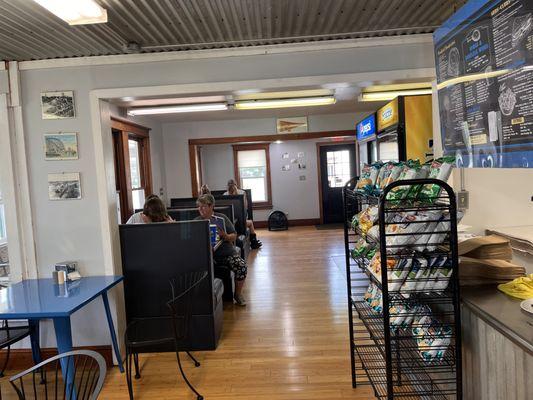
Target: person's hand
<point x="223" y="236"/>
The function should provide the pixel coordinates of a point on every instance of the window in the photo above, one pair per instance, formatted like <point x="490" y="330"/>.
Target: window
<point x="338" y="168"/>
<point x="132" y="166"/>
<point x="252" y="171"/>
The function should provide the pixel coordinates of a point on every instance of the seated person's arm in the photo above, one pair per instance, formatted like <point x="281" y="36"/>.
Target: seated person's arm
<point x="231" y="234"/>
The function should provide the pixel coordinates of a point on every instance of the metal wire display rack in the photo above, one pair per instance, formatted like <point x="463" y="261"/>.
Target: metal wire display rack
<point x="408" y="344"/>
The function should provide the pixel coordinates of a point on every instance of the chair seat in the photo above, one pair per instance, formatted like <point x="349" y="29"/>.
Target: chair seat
<point x="10" y="335"/>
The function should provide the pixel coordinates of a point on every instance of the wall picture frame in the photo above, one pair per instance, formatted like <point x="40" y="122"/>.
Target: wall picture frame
<point x="61" y="146"/>
<point x="64" y="186"/>
<point x="292" y="125"/>
<point x="58" y="105"/>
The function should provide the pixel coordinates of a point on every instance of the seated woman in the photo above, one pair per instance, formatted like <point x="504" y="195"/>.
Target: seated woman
<point x="234" y="190"/>
<point x="226" y="253"/>
<point x="154" y="210"/>
<point x="205" y="189"/>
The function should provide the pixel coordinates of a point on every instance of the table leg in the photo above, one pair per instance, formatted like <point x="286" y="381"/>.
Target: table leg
<point x="112" y="331"/>
<point x="64" y="344"/>
<point x="34" y="340"/>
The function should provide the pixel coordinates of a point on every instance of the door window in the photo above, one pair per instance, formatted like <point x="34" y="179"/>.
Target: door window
<point x="338" y="166"/>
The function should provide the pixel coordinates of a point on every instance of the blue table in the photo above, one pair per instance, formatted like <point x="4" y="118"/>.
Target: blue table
<point x="36" y="299"/>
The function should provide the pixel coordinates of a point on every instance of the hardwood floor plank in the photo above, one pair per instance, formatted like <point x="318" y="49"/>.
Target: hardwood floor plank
<point x="289" y="343"/>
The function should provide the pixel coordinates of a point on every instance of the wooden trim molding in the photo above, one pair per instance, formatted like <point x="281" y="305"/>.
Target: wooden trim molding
<point x="273" y="138"/>
<point x="292" y="222"/>
<point x="264" y="205"/>
<point x="130" y="127"/>
<point x="21" y="359"/>
<point x="193" y="166"/>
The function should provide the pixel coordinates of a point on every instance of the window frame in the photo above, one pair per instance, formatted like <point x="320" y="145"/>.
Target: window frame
<point x="256" y="205"/>
<point x="3" y="240"/>
<point x="123" y="131"/>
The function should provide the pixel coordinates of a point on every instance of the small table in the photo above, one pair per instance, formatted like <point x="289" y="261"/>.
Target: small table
<point x="36" y="299"/>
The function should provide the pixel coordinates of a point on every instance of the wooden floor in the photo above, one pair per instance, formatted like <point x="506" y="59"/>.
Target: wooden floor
<point x="290" y="342"/>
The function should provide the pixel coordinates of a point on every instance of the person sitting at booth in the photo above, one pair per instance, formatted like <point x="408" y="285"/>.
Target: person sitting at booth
<point x="154" y="210"/>
<point x="234" y="190"/>
<point x="205" y="189"/>
<point x="226" y="254"/>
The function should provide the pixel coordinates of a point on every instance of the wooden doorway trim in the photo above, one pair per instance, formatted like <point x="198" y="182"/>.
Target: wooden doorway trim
<point x="124" y="130"/>
<point x="319" y="167"/>
<point x="194" y="162"/>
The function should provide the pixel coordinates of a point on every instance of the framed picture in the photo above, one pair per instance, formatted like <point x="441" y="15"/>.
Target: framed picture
<point x="292" y="125"/>
<point x="64" y="186"/>
<point x="57" y="105"/>
<point x="286" y="167"/>
<point x="61" y="146"/>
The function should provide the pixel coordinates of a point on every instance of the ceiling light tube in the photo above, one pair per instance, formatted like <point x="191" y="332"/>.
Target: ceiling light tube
<point x="178" y="109"/>
<point x="284" y="103"/>
<point x="390" y="95"/>
<point x="76" y="12"/>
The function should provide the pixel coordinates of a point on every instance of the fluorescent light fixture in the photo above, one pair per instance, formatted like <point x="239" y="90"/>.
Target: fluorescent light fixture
<point x="390" y="95"/>
<point x="285" y="103"/>
<point x="178" y="109"/>
<point x="278" y="142"/>
<point x="76" y="12"/>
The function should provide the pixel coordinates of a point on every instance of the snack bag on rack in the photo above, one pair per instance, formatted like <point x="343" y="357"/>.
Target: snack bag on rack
<point x="409" y="314"/>
<point x="371" y="253"/>
<point x="393" y="173"/>
<point x="360" y="249"/>
<point x="367" y="218"/>
<point x="422" y="173"/>
<point x="428" y="341"/>
<point x="409" y="285"/>
<point x="440" y="169"/>
<point x="373" y="233"/>
<point x="377" y="302"/>
<point x="410" y="171"/>
<point x="442" y="231"/>
<point x="355" y="222"/>
<point x="370" y="292"/>
<point x="443" y="342"/>
<point x="433" y="264"/>
<point x="397" y="315"/>
<point x="421" y="321"/>
<point x="368" y="177"/>
<point x="423" y="274"/>
<point x="407" y="230"/>
<point x="399" y="273"/>
<point x="443" y="275"/>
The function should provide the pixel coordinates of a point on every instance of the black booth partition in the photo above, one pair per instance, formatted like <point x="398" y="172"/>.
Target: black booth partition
<point x="152" y="254"/>
<point x="189" y="214"/>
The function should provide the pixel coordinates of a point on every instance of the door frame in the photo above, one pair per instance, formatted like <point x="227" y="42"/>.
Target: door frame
<point x="319" y="145"/>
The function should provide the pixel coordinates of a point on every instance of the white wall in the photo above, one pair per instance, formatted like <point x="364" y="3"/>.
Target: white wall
<point x="176" y="137"/>
<point x="72" y="229"/>
<point x="217" y="165"/>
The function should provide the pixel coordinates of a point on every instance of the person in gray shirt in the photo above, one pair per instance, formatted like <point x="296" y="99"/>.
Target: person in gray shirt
<point x="226" y="254"/>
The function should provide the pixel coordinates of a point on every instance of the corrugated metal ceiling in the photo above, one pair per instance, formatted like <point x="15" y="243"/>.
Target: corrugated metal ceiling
<point x="29" y="32"/>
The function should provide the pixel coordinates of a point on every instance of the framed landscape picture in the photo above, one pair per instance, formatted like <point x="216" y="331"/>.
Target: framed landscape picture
<point x="61" y="146"/>
<point x="58" y="105"/>
<point x="64" y="186"/>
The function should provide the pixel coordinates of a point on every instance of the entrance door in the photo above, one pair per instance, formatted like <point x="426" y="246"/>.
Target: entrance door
<point x="337" y="166"/>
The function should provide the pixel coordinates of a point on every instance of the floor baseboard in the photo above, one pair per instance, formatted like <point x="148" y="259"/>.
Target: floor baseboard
<point x="292" y="222"/>
<point x="20" y="359"/>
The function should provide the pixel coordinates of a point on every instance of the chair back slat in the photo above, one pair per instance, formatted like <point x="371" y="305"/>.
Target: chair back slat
<point x="82" y="377"/>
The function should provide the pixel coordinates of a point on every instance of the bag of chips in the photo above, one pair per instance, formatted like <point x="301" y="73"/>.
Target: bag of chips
<point x="370" y="292"/>
<point x="440" y="169"/>
<point x="422" y="275"/>
<point x="443" y="275"/>
<point x="410" y="171"/>
<point x="367" y="218"/>
<point x="377" y="302"/>
<point x="368" y="177"/>
<point x="398" y="274"/>
<point x="393" y="173"/>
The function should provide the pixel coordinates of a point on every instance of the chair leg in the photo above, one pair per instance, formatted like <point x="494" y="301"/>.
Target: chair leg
<point x="128" y="374"/>
<point x="136" y="361"/>
<point x="5" y="362"/>
<point x="196" y="362"/>
<point x="198" y="395"/>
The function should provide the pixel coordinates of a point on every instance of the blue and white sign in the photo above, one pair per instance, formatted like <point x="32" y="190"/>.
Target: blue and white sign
<point x="366" y="128"/>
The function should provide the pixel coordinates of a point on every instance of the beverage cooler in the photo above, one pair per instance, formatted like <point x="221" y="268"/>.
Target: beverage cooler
<point x="405" y="129"/>
<point x="367" y="148"/>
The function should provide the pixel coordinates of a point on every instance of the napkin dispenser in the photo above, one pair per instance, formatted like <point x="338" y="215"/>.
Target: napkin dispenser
<point x="67" y="266"/>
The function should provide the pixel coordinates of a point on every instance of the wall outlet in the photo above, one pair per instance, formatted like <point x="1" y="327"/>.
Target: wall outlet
<point x="302" y="177"/>
<point x="463" y="200"/>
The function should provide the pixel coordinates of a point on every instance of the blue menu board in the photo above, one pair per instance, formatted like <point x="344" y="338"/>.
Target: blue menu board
<point x="483" y="56"/>
<point x="366" y="128"/>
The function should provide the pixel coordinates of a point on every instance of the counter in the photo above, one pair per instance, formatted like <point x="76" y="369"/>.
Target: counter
<point x="497" y="346"/>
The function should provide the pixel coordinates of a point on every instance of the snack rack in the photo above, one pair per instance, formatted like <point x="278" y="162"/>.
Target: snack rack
<point x="421" y="359"/>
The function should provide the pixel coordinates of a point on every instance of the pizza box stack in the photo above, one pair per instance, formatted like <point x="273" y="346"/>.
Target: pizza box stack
<point x="487" y="260"/>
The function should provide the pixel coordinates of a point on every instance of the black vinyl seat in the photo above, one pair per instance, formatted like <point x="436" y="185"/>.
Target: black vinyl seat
<point x="143" y="333"/>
